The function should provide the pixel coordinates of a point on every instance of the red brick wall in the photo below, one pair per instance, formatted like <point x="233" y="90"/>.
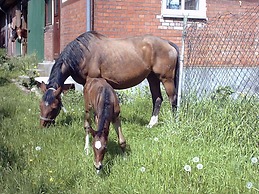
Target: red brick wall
<point x="48" y="43"/>
<point x="123" y="18"/>
<point x="131" y="17"/>
<point x="73" y="21"/>
<point x="135" y="17"/>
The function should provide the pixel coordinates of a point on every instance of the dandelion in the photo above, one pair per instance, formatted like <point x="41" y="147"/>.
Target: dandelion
<point x="51" y="179"/>
<point x="187" y="168"/>
<point x="196" y="159"/>
<point x="37" y="148"/>
<point x="142" y="169"/>
<point x="31" y="160"/>
<point x="254" y="160"/>
<point x="249" y="185"/>
<point x="155" y="139"/>
<point x="199" y="166"/>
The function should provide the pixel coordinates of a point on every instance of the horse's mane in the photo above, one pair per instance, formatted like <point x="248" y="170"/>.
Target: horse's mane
<point x="71" y="57"/>
<point x="106" y="110"/>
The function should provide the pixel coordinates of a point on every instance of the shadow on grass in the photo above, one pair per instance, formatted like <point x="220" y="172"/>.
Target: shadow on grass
<point x="139" y="120"/>
<point x="4" y="81"/>
<point x="113" y="151"/>
<point x="66" y="121"/>
<point x="10" y="158"/>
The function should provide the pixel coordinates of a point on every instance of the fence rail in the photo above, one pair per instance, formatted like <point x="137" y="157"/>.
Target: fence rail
<point x="222" y="53"/>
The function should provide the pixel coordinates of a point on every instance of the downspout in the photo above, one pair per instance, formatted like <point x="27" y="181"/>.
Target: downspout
<point x="6" y="29"/>
<point x="88" y="15"/>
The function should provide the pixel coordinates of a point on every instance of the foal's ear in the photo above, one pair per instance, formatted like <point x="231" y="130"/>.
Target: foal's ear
<point x="93" y="132"/>
<point x="58" y="91"/>
<point x="43" y="87"/>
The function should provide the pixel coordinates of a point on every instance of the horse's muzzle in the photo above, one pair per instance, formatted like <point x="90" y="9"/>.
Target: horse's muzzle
<point x="98" y="166"/>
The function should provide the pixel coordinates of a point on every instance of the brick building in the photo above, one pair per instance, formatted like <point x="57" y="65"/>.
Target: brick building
<point x="64" y="20"/>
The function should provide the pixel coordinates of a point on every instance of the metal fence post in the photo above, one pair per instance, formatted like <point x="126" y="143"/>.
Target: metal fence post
<point x="179" y="89"/>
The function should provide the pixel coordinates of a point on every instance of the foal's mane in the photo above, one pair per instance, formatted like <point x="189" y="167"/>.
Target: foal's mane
<point x="105" y="109"/>
<point x="71" y="57"/>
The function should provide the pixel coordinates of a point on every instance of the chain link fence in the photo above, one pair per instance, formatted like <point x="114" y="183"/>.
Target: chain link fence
<point x="222" y="56"/>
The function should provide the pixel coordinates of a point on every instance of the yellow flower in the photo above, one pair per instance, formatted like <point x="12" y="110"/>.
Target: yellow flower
<point x="51" y="179"/>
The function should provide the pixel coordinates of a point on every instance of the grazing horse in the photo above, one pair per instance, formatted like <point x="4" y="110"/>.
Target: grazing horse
<point x="123" y="63"/>
<point x="19" y="33"/>
<point x="101" y="97"/>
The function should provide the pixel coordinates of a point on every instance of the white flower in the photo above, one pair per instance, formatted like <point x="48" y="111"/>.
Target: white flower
<point x="37" y="148"/>
<point x="199" y="166"/>
<point x="249" y="185"/>
<point x="196" y="159"/>
<point x="155" y="139"/>
<point x="187" y="168"/>
<point x="254" y="160"/>
<point x="142" y="169"/>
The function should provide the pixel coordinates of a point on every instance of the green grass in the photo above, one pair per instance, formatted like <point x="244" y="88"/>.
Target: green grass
<point x="224" y="135"/>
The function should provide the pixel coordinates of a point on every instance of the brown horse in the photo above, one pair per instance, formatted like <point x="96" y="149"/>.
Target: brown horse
<point x="101" y="97"/>
<point x="123" y="63"/>
<point x="19" y="33"/>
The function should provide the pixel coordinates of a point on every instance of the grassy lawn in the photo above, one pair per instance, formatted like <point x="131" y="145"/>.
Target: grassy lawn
<point x="212" y="148"/>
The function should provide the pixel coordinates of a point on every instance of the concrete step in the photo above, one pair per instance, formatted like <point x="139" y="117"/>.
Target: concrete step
<point x="69" y="83"/>
<point x="45" y="68"/>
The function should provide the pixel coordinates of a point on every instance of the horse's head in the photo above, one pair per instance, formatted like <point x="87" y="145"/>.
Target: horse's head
<point x="14" y="34"/>
<point x="50" y="105"/>
<point x="99" y="147"/>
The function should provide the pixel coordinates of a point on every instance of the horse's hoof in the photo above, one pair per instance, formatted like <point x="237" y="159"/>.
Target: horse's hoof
<point x="153" y="121"/>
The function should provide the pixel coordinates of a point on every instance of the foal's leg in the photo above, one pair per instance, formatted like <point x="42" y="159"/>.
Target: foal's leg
<point x="87" y="127"/>
<point x="121" y="139"/>
<point x="154" y="85"/>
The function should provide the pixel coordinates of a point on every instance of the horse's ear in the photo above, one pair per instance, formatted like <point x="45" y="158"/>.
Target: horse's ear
<point x="58" y="91"/>
<point x="43" y="87"/>
<point x="93" y="132"/>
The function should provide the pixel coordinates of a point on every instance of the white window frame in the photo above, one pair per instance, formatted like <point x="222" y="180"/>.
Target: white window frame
<point x="180" y="13"/>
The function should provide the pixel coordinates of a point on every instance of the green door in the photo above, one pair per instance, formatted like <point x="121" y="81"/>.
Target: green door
<point x="36" y="28"/>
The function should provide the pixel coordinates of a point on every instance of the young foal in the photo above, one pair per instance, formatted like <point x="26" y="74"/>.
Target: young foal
<point x="101" y="97"/>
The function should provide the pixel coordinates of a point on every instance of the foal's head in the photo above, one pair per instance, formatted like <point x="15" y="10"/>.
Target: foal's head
<point x="50" y="105"/>
<point x="99" y="144"/>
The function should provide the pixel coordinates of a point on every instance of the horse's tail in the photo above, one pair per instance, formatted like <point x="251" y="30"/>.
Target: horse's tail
<point x="104" y="117"/>
<point x="177" y="67"/>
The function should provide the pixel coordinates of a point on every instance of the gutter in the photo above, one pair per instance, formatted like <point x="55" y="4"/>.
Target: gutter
<point x="88" y="15"/>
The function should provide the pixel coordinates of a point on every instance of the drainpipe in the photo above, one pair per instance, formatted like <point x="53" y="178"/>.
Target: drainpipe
<point x="88" y="15"/>
<point x="6" y="28"/>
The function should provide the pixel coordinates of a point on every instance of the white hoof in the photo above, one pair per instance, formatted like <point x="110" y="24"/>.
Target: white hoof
<point x="153" y="121"/>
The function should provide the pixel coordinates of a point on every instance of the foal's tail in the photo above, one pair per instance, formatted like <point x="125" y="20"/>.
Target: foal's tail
<point x="177" y="67"/>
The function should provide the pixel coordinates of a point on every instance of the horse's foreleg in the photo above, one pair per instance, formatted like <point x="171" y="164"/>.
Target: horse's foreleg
<point x="121" y="138"/>
<point x="154" y="85"/>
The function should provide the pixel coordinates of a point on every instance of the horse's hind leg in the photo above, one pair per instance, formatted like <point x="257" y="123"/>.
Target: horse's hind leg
<point x="121" y="139"/>
<point x="154" y="85"/>
<point x="171" y="92"/>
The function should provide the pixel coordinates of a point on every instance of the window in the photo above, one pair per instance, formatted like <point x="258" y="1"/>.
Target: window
<point x="181" y="8"/>
<point x="48" y="12"/>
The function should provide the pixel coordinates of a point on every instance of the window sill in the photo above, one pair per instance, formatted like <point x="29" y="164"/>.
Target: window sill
<point x="198" y="17"/>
